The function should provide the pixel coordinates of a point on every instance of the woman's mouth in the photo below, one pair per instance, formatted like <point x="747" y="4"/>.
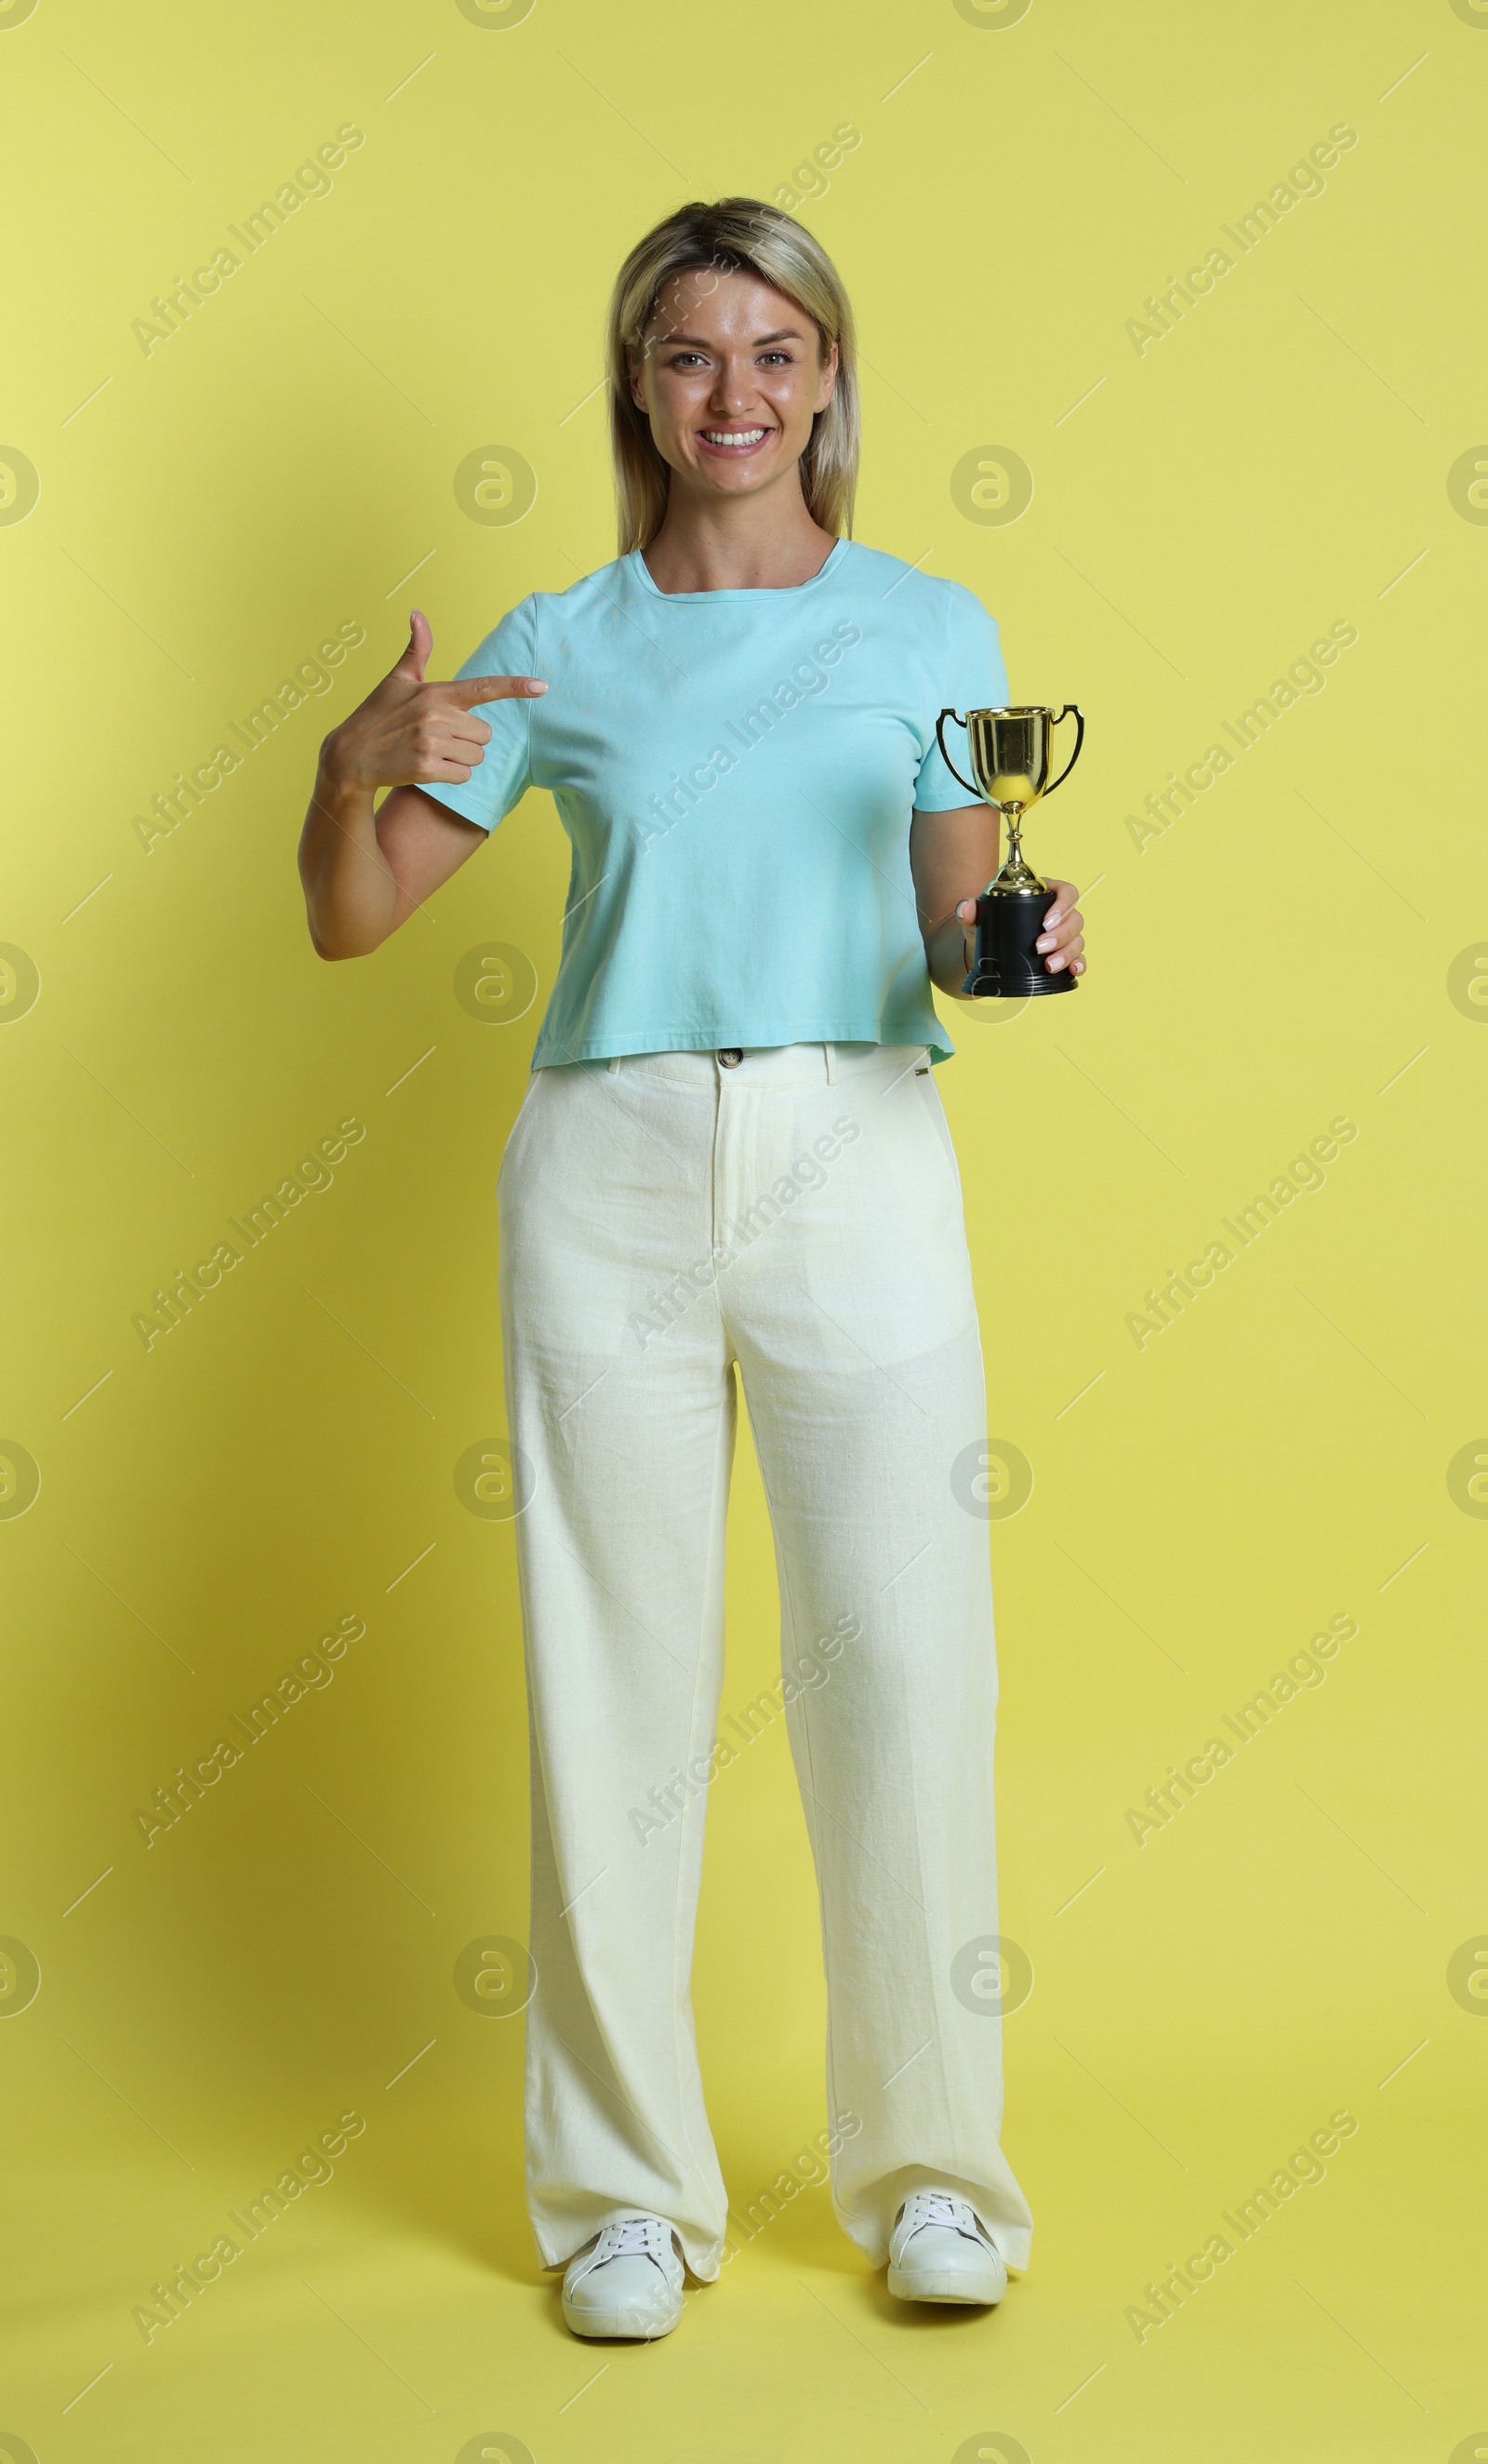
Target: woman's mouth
<point x="731" y="443"/>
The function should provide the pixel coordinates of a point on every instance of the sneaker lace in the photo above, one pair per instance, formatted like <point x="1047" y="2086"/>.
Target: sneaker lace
<point x="938" y="2208"/>
<point x="633" y="2237"/>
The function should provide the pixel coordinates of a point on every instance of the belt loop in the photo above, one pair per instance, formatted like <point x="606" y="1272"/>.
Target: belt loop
<point x="615" y="1060"/>
<point x="830" y="1049"/>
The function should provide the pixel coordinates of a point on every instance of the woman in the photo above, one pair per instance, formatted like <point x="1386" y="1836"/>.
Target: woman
<point x="731" y="1150"/>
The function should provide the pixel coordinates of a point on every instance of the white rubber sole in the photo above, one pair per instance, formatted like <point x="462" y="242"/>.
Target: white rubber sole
<point x="981" y="2286"/>
<point x="628" y="2326"/>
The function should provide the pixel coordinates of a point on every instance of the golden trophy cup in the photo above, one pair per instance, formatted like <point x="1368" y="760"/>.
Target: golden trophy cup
<point x="1010" y="762"/>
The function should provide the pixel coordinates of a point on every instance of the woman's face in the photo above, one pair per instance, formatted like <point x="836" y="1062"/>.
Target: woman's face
<point x="731" y="378"/>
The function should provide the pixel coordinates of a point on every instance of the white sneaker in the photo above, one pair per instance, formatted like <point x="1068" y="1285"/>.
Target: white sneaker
<point x="627" y="2282"/>
<point x="941" y="2251"/>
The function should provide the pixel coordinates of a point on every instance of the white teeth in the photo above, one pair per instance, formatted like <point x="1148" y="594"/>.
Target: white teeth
<point x="734" y="435"/>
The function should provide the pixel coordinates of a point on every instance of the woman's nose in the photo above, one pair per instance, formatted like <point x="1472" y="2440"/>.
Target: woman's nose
<point x="733" y="389"/>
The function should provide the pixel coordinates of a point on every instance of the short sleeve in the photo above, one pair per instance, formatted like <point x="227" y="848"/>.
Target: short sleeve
<point x="503" y="774"/>
<point x="973" y="678"/>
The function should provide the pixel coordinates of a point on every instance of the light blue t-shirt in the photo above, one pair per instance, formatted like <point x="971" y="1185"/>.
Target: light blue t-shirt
<point x="735" y="770"/>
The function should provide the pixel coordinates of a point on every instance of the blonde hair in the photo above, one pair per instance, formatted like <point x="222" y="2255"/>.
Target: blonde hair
<point x="735" y="235"/>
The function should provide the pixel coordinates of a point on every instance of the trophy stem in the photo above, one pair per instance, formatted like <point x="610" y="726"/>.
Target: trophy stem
<point x="1014" y="874"/>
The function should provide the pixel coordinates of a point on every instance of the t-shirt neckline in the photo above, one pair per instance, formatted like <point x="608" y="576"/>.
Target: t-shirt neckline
<point x="835" y="556"/>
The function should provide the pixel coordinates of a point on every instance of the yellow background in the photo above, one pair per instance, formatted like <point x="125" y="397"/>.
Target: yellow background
<point x="1202" y="513"/>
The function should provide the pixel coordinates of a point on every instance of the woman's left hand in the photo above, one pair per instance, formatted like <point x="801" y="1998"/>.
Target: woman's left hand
<point x="1062" y="940"/>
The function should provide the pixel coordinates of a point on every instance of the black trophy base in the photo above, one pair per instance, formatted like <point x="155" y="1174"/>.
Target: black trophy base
<point x="1007" y="967"/>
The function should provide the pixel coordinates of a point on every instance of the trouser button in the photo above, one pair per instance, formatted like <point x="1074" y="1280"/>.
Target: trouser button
<point x="730" y="1057"/>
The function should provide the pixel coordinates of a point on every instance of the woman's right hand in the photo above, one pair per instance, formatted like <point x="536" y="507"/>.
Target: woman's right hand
<point x="408" y="731"/>
<point x="364" y="867"/>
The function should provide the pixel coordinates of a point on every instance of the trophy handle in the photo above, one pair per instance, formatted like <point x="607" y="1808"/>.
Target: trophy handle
<point x="940" y="738"/>
<point x="1079" y="737"/>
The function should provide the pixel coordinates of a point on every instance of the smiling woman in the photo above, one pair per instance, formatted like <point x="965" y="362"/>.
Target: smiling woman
<point x="771" y="868"/>
<point x="799" y="371"/>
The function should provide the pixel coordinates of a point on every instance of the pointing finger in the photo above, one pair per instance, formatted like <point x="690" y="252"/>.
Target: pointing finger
<point x="469" y="690"/>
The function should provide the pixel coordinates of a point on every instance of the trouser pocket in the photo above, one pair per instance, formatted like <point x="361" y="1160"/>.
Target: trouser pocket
<point x="927" y="1096"/>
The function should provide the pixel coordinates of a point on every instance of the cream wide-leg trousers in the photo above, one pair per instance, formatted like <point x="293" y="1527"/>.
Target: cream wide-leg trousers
<point x="798" y="1210"/>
